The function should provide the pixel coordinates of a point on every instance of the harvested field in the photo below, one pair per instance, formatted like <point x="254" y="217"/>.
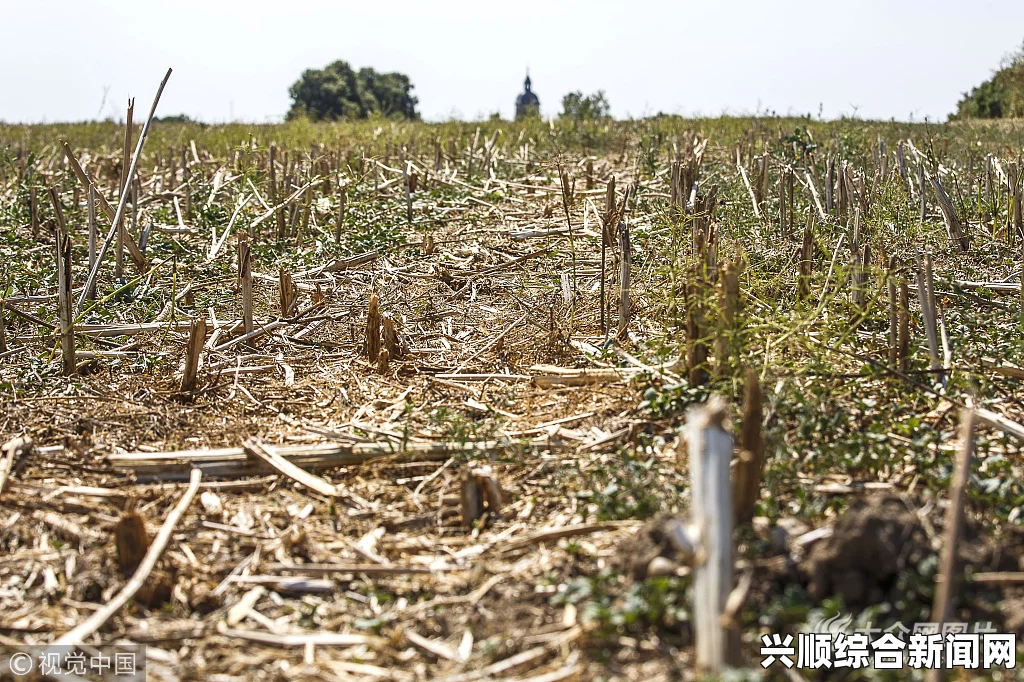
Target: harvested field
<point x="391" y="401"/>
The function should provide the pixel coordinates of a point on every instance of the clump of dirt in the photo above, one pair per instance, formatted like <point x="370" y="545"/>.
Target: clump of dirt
<point x="880" y="552"/>
<point x="651" y="541"/>
<point x="871" y="544"/>
<point x="510" y="606"/>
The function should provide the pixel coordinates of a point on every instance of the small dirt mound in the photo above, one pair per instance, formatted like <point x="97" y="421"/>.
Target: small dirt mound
<point x="634" y="556"/>
<point x="873" y="542"/>
<point x="880" y="541"/>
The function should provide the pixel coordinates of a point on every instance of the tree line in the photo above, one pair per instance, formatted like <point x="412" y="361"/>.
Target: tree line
<point x="339" y="92"/>
<point x="1001" y="96"/>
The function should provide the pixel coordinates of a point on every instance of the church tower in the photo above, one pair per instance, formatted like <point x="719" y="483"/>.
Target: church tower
<point x="527" y="104"/>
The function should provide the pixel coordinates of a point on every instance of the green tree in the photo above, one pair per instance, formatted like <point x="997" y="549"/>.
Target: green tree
<point x="176" y="118"/>
<point x="338" y="92"/>
<point x="1001" y="96"/>
<point x="576" y="107"/>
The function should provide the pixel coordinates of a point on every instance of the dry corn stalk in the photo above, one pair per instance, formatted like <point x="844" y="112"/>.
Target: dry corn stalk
<point x="894" y="317"/>
<point x="33" y="211"/>
<point x="750" y="457"/>
<point x="783" y="230"/>
<point x="901" y="165"/>
<point x="185" y="177"/>
<point x="954" y="227"/>
<point x="245" y="281"/>
<point x="1015" y="192"/>
<point x="728" y="289"/>
<point x="608" y="223"/>
<point x="64" y="301"/>
<point x="480" y="494"/>
<point x="610" y="219"/>
<point x="803" y="284"/>
<point x="626" y="263"/>
<point x="383" y="360"/>
<point x="696" y="347"/>
<point x="710" y="451"/>
<point x="903" y="345"/>
<point x="926" y="296"/>
<point x="10" y="453"/>
<point x="945" y="581"/>
<point x="568" y="201"/>
<point x="761" y="184"/>
<point x="93" y="234"/>
<point x="860" y="274"/>
<point x="408" y="182"/>
<point x="342" y="205"/>
<point x="131" y="540"/>
<point x="471" y="499"/>
<point x="830" y="181"/>
<point x="303" y="228"/>
<point x="122" y="188"/>
<point x="373" y="321"/>
<point x="193" y="349"/>
<point x="288" y="291"/>
<point x="392" y="340"/>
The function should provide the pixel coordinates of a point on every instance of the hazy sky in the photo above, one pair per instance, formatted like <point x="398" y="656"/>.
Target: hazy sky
<point x="234" y="60"/>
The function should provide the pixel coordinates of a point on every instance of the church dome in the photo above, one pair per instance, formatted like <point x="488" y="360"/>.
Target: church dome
<point x="527" y="104"/>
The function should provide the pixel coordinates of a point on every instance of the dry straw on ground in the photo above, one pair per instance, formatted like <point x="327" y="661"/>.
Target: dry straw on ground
<point x="398" y="400"/>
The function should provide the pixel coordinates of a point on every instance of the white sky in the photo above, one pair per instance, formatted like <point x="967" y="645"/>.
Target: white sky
<point x="234" y="60"/>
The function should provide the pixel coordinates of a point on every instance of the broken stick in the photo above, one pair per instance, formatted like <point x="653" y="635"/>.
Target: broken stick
<point x="123" y="201"/>
<point x="954" y="526"/>
<point x="290" y="470"/>
<point x="86" y="628"/>
<point x="710" y="449"/>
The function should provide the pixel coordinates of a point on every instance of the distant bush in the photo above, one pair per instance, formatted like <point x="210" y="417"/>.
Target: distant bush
<point x="338" y="92"/>
<point x="1001" y="96"/>
<point x="576" y="107"/>
<point x="176" y="118"/>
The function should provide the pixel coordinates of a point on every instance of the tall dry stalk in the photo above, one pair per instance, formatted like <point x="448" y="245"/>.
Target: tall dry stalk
<point x="890" y="280"/>
<point x="608" y="223"/>
<point x="954" y="227"/>
<point x="728" y="290"/>
<point x="288" y="292"/>
<point x="407" y="182"/>
<point x="903" y="343"/>
<point x="93" y="235"/>
<point x="926" y="297"/>
<point x="750" y="457"/>
<point x="710" y="450"/>
<point x="625" y="275"/>
<point x="391" y="338"/>
<point x="193" y="350"/>
<point x="372" y="332"/>
<point x="119" y="214"/>
<point x="1015" y="191"/>
<point x="186" y="181"/>
<point x="245" y="280"/>
<point x="64" y="299"/>
<point x="803" y="284"/>
<point x="944" y="580"/>
<point x="568" y="198"/>
<point x="342" y="207"/>
<point x="33" y="211"/>
<point x="123" y="188"/>
<point x="696" y="346"/>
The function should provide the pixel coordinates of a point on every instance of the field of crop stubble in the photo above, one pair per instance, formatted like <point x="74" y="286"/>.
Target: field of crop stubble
<point x="363" y="401"/>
